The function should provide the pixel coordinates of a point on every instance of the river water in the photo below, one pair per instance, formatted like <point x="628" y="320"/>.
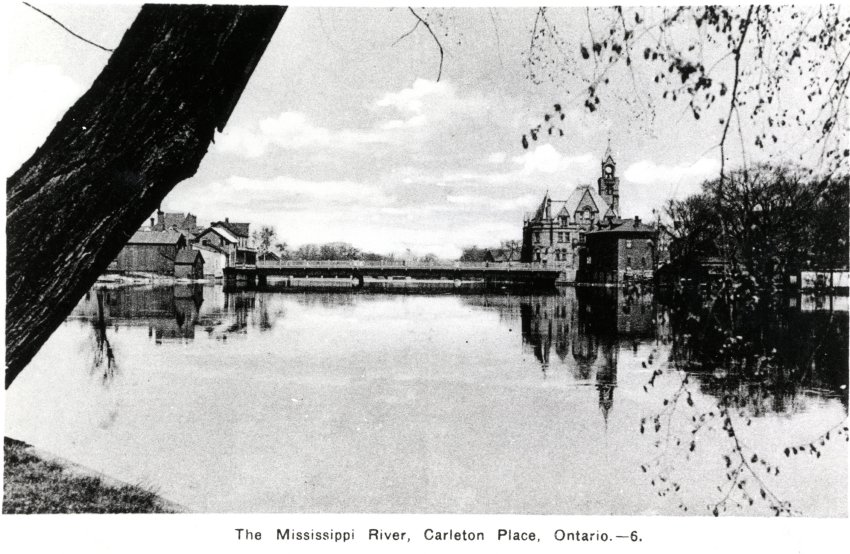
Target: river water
<point x="422" y="403"/>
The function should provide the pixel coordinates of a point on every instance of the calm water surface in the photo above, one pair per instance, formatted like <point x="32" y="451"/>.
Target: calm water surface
<point x="342" y="402"/>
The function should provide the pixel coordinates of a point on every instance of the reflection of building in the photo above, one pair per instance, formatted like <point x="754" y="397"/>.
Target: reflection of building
<point x="167" y="312"/>
<point x="587" y="328"/>
<point x="554" y="234"/>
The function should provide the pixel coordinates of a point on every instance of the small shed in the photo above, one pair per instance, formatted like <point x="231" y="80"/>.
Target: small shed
<point x="189" y="264"/>
<point x="150" y="252"/>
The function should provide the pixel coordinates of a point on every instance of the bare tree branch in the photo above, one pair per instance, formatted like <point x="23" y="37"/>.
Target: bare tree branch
<point x="408" y="33"/>
<point x="440" y="46"/>
<point x="54" y="20"/>
<point x="733" y="100"/>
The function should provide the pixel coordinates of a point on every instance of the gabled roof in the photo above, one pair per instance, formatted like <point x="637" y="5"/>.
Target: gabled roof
<point x="187" y="256"/>
<point x="222" y="231"/>
<point x="237" y="229"/>
<point x="572" y="203"/>
<point x="155" y="237"/>
<point x="541" y="210"/>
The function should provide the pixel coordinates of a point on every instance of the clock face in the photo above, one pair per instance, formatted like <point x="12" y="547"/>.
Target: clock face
<point x="609" y="170"/>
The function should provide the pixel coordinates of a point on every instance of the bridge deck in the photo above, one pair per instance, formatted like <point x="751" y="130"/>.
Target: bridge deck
<point x="366" y="267"/>
<point x="517" y="273"/>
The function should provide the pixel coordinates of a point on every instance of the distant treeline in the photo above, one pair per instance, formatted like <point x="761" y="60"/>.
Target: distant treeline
<point x="767" y="220"/>
<point x="339" y="251"/>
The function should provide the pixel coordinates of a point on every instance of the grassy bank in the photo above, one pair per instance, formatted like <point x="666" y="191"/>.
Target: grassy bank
<point x="33" y="485"/>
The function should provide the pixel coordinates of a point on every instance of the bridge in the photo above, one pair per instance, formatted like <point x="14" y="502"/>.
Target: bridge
<point x="526" y="274"/>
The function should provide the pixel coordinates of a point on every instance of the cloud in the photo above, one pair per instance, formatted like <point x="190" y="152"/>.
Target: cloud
<point x="415" y="121"/>
<point x="497" y="158"/>
<point x="413" y="99"/>
<point x="425" y="113"/>
<point x="515" y="204"/>
<point x="40" y="97"/>
<point x="293" y="131"/>
<point x="646" y="172"/>
<point x="545" y="158"/>
<point x="647" y="185"/>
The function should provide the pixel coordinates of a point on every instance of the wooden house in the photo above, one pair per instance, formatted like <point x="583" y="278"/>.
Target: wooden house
<point x="189" y="264"/>
<point x="150" y="252"/>
<point x="231" y="238"/>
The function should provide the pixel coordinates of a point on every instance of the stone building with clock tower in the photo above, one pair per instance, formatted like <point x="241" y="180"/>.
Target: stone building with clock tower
<point x="556" y="233"/>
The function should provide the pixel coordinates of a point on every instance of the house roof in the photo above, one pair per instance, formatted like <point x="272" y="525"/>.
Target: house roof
<point x="237" y="229"/>
<point x="187" y="256"/>
<point x="571" y="204"/>
<point x="155" y="237"/>
<point x="222" y="231"/>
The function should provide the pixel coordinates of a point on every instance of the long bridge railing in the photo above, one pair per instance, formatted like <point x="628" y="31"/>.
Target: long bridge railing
<point x="404" y="264"/>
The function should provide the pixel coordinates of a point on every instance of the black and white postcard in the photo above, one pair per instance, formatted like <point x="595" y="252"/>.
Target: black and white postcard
<point x="427" y="277"/>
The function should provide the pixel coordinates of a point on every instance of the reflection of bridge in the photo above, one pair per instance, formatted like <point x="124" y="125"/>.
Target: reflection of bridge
<point x="534" y="275"/>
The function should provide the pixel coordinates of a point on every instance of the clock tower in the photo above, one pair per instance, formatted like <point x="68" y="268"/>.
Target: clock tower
<point x="609" y="183"/>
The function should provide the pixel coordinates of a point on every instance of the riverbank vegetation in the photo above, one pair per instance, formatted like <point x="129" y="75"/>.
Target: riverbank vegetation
<point x="32" y="485"/>
<point x="767" y="222"/>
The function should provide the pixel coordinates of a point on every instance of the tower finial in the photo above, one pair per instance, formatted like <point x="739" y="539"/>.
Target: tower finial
<point x="608" y="149"/>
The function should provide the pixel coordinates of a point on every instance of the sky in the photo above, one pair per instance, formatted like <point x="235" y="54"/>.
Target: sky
<point x="344" y="132"/>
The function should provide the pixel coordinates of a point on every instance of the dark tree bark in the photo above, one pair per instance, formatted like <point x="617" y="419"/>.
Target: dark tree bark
<point x="143" y="127"/>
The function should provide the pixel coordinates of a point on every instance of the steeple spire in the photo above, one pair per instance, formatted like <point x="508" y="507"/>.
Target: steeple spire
<point x="608" y="153"/>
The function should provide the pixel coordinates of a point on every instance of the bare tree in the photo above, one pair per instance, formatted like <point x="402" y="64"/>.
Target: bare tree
<point x="776" y="67"/>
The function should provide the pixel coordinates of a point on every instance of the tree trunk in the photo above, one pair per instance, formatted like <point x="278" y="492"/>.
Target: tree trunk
<point x="143" y="127"/>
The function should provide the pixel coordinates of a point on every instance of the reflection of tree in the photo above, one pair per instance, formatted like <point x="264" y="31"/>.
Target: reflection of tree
<point x="104" y="355"/>
<point x="752" y="355"/>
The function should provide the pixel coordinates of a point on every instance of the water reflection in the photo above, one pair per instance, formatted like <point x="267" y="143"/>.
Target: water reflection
<point x="580" y="331"/>
<point x="431" y="403"/>
<point x="763" y="356"/>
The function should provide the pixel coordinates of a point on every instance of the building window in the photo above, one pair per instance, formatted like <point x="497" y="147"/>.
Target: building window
<point x="628" y="262"/>
<point x="589" y="260"/>
<point x="628" y="244"/>
<point x="643" y="262"/>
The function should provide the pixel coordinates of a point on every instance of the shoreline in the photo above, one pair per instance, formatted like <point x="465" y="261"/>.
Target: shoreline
<point x="38" y="482"/>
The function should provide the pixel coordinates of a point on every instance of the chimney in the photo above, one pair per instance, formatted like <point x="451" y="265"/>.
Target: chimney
<point x="637" y="221"/>
<point x="227" y="220"/>
<point x="151" y="224"/>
